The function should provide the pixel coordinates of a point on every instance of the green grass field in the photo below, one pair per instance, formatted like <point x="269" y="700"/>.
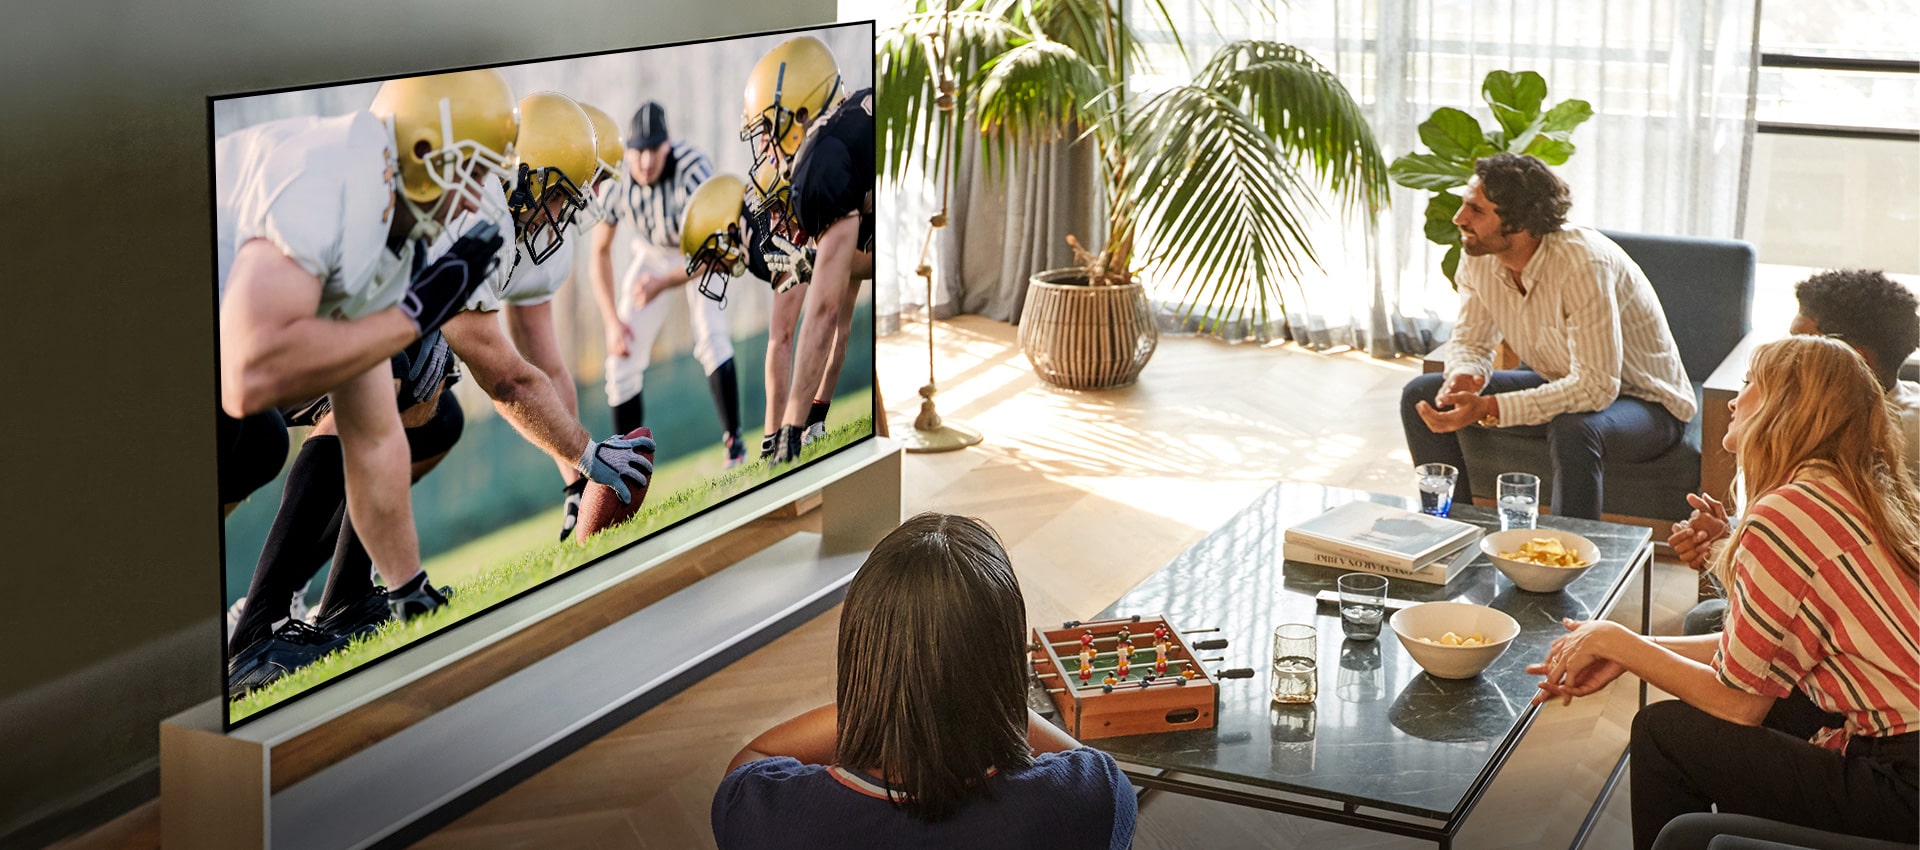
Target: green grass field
<point x="501" y="565"/>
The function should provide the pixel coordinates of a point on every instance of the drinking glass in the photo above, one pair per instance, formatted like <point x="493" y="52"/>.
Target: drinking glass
<point x="1436" y="487"/>
<point x="1363" y="603"/>
<point x="1296" y="653"/>
<point x="1519" y="499"/>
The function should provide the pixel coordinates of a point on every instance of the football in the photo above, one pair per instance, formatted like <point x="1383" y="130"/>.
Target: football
<point x="600" y="507"/>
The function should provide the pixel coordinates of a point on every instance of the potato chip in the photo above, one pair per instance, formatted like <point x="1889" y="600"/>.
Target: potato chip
<point x="1546" y="552"/>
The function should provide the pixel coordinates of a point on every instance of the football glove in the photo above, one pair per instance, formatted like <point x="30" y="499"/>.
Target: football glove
<point x="790" y="260"/>
<point x="420" y="368"/>
<point x="615" y="460"/>
<point x="440" y="288"/>
<point x="574" y="492"/>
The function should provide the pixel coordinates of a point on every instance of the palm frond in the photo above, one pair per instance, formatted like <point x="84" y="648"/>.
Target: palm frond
<point x="1302" y="105"/>
<point x="910" y="126"/>
<point x="1038" y="91"/>
<point x="1228" y="213"/>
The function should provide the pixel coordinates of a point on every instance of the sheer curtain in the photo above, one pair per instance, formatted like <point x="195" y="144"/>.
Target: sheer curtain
<point x="1665" y="151"/>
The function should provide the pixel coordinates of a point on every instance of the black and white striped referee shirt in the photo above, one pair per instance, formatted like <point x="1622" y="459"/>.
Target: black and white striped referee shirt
<point x="654" y="212"/>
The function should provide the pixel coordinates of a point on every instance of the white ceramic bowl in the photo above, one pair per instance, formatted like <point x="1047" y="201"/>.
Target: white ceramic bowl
<point x="1432" y="620"/>
<point x="1536" y="577"/>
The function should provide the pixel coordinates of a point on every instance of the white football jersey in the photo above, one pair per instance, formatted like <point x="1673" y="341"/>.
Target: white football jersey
<point x="321" y="190"/>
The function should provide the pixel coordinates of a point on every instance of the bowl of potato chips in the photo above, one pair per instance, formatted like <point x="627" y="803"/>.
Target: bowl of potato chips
<point x="1453" y="640"/>
<point x="1540" y="560"/>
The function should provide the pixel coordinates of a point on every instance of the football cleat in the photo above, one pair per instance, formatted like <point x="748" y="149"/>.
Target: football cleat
<point x="736" y="450"/>
<point x="292" y="646"/>
<point x="364" y="616"/>
<point x="296" y="610"/>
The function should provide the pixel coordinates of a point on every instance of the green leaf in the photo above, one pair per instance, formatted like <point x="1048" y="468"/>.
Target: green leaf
<point x="1450" y="264"/>
<point x="1564" y="116"/>
<point x="1497" y="139"/>
<point x="1549" y="150"/>
<point x="1426" y="171"/>
<point x="1515" y="98"/>
<point x="1440" y="228"/>
<point x="1453" y="134"/>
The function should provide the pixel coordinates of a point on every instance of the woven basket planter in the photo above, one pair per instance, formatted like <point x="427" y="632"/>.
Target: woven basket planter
<point x="1086" y="337"/>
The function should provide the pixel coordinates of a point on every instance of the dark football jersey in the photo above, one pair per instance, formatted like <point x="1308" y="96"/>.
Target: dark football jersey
<point x="833" y="171"/>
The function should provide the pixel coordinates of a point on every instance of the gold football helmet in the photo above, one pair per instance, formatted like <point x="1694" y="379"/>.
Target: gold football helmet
<point x="710" y="234"/>
<point x="791" y="85"/>
<point x="453" y="136"/>
<point x="556" y="154"/>
<point x="610" y="147"/>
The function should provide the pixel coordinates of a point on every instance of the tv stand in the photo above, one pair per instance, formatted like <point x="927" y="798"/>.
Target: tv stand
<point x="218" y="789"/>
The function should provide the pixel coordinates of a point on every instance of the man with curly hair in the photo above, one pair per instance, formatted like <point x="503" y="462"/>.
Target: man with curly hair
<point x="1603" y="378"/>
<point x="1876" y="316"/>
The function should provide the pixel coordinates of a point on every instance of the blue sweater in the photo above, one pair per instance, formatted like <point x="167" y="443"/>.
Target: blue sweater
<point x="1074" y="799"/>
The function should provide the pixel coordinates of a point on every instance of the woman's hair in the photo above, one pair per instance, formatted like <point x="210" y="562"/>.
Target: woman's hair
<point x="933" y="665"/>
<point x="1528" y="194"/>
<point x="1817" y="401"/>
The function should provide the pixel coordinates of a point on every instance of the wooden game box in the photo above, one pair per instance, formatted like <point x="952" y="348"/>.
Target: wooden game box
<point x="1141" y="702"/>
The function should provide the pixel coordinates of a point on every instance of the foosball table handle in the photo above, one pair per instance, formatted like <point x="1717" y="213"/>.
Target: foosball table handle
<point x="1235" y="673"/>
<point x="1215" y="643"/>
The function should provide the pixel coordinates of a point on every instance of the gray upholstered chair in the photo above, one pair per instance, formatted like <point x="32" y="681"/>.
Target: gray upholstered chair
<point x="1715" y="831"/>
<point x="1706" y="288"/>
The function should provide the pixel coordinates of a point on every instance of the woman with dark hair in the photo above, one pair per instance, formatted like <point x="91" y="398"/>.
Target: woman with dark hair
<point x="929" y="742"/>
<point x="1822" y="599"/>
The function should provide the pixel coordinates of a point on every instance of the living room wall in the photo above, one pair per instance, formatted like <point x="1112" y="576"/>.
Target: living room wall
<point x="110" y="573"/>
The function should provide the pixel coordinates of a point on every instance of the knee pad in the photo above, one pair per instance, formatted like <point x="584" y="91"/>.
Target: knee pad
<point x="437" y="435"/>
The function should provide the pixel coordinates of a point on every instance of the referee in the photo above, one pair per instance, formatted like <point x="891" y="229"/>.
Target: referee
<point x="649" y="200"/>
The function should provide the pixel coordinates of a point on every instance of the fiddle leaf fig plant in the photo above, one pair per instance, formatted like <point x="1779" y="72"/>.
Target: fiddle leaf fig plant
<point x="1455" y="141"/>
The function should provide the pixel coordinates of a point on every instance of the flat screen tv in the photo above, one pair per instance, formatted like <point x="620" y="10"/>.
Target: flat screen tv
<point x="458" y="320"/>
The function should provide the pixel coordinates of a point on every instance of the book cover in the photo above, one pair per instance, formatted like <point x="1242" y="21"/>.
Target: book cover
<point x="1440" y="570"/>
<point x="1383" y="534"/>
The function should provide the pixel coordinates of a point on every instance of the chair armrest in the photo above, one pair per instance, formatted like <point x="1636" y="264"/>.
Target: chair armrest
<point x="1435" y="360"/>
<point x="1716" y="463"/>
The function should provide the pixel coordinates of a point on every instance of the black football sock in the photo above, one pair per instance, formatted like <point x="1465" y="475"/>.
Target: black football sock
<point x="630" y="414"/>
<point x="297" y="541"/>
<point x="817" y="414"/>
<point x="725" y="386"/>
<point x="351" y="578"/>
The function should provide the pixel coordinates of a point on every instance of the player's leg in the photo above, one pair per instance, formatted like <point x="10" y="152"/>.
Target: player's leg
<point x="780" y="324"/>
<point x="713" y="347"/>
<point x="296" y="543"/>
<point x="377" y="479"/>
<point x="820" y="318"/>
<point x="823" y="395"/>
<point x="624" y="388"/>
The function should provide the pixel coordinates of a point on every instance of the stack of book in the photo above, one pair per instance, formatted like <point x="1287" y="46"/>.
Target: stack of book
<point x="1375" y="538"/>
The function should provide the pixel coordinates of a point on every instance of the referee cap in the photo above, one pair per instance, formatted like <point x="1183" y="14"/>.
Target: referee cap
<point x="649" y="126"/>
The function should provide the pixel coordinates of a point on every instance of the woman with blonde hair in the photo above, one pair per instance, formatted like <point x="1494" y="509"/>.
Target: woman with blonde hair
<point x="1822" y="598"/>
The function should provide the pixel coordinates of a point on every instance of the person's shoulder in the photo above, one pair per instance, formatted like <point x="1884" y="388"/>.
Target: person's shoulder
<point x="1906" y="395"/>
<point x="752" y="803"/>
<point x="1811" y="509"/>
<point x="1088" y="792"/>
<point x="772" y="770"/>
<point x="1082" y="769"/>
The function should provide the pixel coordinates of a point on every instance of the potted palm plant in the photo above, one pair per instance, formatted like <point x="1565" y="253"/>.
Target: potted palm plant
<point x="1217" y="176"/>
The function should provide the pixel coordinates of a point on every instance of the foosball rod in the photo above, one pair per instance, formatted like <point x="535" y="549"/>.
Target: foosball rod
<point x="1215" y="643"/>
<point x="1098" y="669"/>
<point x="1145" y="682"/>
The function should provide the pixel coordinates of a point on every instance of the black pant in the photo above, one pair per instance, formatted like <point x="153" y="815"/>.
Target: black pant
<point x="1629" y="429"/>
<point x="1685" y="760"/>
<point x="252" y="451"/>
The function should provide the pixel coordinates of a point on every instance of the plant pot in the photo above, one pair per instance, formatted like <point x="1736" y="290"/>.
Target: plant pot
<point x="1086" y="337"/>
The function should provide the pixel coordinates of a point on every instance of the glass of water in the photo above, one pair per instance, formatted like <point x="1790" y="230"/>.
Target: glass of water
<point x="1436" y="487"/>
<point x="1296" y="666"/>
<point x="1519" y="500"/>
<point x="1363" y="603"/>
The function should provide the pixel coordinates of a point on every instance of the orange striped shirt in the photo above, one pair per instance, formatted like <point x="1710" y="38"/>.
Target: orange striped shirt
<point x="1819" y="604"/>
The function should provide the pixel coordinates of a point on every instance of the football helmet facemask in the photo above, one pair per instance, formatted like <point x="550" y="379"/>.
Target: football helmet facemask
<point x="453" y="136"/>
<point x="710" y="235"/>
<point x="557" y="154"/>
<point x="791" y="85"/>
<point x="607" y="160"/>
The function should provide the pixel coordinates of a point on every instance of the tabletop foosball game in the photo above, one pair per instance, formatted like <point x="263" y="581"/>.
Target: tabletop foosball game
<point x="1128" y="676"/>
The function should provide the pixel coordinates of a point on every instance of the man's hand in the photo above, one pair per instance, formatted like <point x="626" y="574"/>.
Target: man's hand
<point x="616" y="461"/>
<point x="619" y="338"/>
<point x="1460" y="382"/>
<point x="786" y="258"/>
<point x="1457" y="410"/>
<point x="1692" y="538"/>
<point x="647" y="287"/>
<point x="441" y="288"/>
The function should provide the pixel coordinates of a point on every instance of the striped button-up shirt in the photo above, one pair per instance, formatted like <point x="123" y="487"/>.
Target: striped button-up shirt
<point x="1819" y="604"/>
<point x="1589" y="322"/>
<point x="654" y="211"/>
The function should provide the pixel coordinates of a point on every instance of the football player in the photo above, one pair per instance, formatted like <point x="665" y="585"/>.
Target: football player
<point x="651" y="198"/>
<point x="316" y="220"/>
<point x="813" y="177"/>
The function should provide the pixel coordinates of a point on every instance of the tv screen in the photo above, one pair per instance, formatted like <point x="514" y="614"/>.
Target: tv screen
<point x="482" y="328"/>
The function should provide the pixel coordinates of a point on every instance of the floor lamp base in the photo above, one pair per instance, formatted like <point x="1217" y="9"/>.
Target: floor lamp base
<point x="946" y="437"/>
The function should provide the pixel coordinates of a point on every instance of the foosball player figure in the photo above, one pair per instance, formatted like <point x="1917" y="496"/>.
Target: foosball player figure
<point x="1125" y="662"/>
<point x="1086" y="657"/>
<point x="1188" y="672"/>
<point x="1108" y="683"/>
<point x="1162" y="645"/>
<point x="1125" y="637"/>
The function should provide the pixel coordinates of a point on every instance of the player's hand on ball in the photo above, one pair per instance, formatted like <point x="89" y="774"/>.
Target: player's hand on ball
<point x="613" y="462"/>
<point x="786" y="258"/>
<point x="443" y="286"/>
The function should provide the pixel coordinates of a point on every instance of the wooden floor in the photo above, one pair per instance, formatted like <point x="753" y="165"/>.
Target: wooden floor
<point x="1091" y="492"/>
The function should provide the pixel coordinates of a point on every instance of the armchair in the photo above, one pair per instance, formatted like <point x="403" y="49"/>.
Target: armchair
<point x="1705" y="287"/>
